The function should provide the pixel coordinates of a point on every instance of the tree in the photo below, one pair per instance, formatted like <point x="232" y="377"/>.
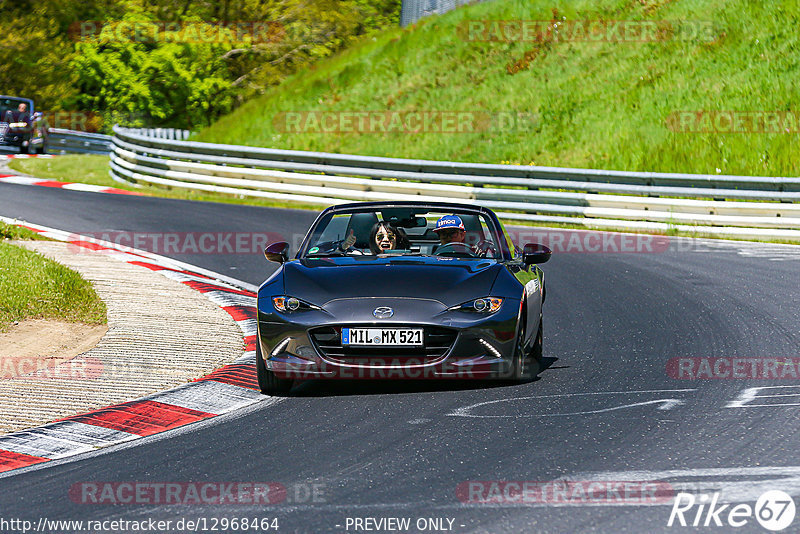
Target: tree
<point x="46" y="54"/>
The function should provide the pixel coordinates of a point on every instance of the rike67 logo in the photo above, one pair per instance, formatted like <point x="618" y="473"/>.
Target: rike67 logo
<point x="774" y="510"/>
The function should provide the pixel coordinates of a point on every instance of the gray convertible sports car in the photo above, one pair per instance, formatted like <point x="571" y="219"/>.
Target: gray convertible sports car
<point x="401" y="290"/>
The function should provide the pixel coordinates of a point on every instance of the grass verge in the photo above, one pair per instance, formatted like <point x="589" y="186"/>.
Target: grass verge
<point x="9" y="231"/>
<point x="35" y="287"/>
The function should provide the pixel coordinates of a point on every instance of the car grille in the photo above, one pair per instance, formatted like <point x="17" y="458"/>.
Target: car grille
<point x="436" y="343"/>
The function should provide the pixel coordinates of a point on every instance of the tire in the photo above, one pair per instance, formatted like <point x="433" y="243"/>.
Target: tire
<point x="24" y="149"/>
<point x="521" y="367"/>
<point x="267" y="381"/>
<point x="536" y="352"/>
<point x="527" y="366"/>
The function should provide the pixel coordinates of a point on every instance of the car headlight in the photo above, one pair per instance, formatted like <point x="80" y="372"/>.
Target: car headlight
<point x="291" y="304"/>
<point x="16" y="125"/>
<point x="485" y="305"/>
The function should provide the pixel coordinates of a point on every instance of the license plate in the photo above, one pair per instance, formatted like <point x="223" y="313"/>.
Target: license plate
<point x="386" y="337"/>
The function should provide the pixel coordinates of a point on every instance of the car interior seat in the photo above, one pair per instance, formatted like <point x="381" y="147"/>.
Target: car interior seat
<point x="472" y="225"/>
<point x="361" y="224"/>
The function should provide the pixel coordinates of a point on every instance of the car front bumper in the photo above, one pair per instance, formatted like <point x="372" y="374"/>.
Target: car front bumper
<point x="482" y="346"/>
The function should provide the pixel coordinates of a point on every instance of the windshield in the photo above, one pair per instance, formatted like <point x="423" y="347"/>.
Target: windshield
<point x="406" y="231"/>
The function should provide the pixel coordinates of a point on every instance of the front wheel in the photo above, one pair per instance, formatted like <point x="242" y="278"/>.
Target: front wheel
<point x="528" y="365"/>
<point x="521" y="361"/>
<point x="536" y="351"/>
<point x="267" y="381"/>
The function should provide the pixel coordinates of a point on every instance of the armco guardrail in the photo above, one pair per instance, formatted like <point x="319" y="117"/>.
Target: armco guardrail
<point x="61" y="141"/>
<point x="413" y="10"/>
<point x="729" y="206"/>
<point x="161" y="133"/>
<point x="71" y="141"/>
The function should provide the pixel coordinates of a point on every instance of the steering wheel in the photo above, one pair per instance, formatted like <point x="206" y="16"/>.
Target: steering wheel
<point x="455" y="249"/>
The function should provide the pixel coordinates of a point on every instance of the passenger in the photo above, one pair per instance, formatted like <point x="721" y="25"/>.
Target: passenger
<point x="386" y="236"/>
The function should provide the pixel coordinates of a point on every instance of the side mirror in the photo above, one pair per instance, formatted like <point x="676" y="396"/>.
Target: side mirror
<point x="277" y="252"/>
<point x="535" y="253"/>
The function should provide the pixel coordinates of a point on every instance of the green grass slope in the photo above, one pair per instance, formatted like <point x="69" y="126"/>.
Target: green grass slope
<point x="32" y="286"/>
<point x="596" y="104"/>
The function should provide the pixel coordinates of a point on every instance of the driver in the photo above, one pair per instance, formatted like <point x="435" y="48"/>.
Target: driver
<point x="450" y="229"/>
<point x="453" y="234"/>
<point x="20" y="116"/>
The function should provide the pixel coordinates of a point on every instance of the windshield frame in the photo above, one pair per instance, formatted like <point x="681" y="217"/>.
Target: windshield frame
<point x="365" y="207"/>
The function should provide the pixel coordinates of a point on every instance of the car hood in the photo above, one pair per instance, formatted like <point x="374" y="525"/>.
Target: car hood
<point x="448" y="280"/>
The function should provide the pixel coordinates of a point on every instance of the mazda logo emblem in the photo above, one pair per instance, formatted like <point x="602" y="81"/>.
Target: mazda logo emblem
<point x="383" y="312"/>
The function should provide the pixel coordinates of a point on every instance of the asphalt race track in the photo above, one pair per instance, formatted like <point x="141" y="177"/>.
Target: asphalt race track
<point x="605" y="408"/>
